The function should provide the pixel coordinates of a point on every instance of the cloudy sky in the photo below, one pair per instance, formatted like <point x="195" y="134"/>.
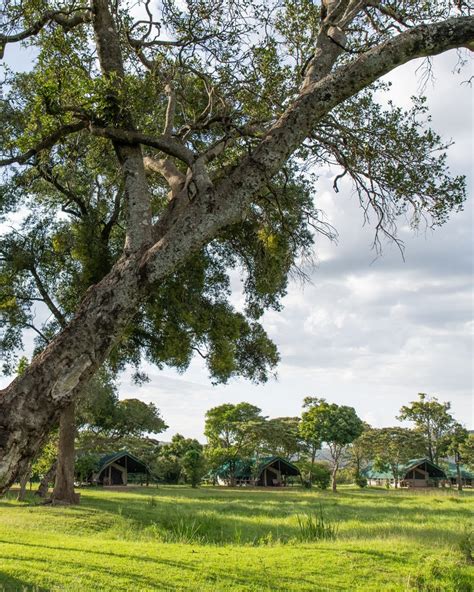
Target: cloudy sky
<point x="368" y="332"/>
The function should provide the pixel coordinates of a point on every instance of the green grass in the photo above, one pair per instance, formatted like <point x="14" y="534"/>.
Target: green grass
<point x="176" y="538"/>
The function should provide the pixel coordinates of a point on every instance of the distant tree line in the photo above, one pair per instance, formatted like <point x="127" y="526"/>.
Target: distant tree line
<point x="328" y="442"/>
<point x="236" y="431"/>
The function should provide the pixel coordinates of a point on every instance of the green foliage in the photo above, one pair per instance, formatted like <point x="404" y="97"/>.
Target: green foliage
<point x="134" y="418"/>
<point x="280" y="437"/>
<point x="48" y="454"/>
<point x="394" y="447"/>
<point x="180" y="460"/>
<point x="467" y="451"/>
<point x="233" y="433"/>
<point x="361" y="452"/>
<point x="337" y="425"/>
<point x="194" y="466"/>
<point x="456" y="441"/>
<point x="331" y="423"/>
<point x="321" y="475"/>
<point x="86" y="464"/>
<point x="314" y="473"/>
<point x="433" y="420"/>
<point x="22" y="365"/>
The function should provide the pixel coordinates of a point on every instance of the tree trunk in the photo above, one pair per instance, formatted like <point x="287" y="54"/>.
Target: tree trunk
<point x="63" y="492"/>
<point x="23" y="483"/>
<point x="311" y="468"/>
<point x="50" y="476"/>
<point x="458" y="477"/>
<point x="333" y="479"/>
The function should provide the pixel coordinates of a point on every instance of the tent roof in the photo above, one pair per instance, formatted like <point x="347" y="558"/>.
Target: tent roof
<point x="452" y="472"/>
<point x="246" y="468"/>
<point x="134" y="465"/>
<point x="403" y="469"/>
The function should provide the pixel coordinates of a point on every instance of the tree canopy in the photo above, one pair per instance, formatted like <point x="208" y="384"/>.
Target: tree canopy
<point x="394" y="447"/>
<point x="233" y="432"/>
<point x="336" y="425"/>
<point x="157" y="148"/>
<point x="433" y="420"/>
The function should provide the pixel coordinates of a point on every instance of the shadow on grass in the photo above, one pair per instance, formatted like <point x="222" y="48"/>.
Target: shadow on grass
<point x="254" y="517"/>
<point x="90" y="571"/>
<point x="10" y="584"/>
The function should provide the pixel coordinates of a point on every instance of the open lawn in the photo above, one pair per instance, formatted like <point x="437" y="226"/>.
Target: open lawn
<point x="176" y="538"/>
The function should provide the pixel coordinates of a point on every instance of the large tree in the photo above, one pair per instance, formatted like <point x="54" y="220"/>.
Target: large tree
<point x="189" y="128"/>
<point x="394" y="447"/>
<point x="433" y="420"/>
<point x="233" y="433"/>
<point x="336" y="425"/>
<point x="457" y="441"/>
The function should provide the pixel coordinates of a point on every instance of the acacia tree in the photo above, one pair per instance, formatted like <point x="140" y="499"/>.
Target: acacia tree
<point x="310" y="438"/>
<point x="394" y="447"/>
<point x="433" y="420"/>
<point x="233" y="433"/>
<point x="280" y="437"/>
<point x="336" y="425"/>
<point x="361" y="452"/>
<point x="456" y="442"/>
<point x="195" y="122"/>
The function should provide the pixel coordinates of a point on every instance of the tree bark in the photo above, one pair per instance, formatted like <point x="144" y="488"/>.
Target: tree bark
<point x="458" y="477"/>
<point x="311" y="468"/>
<point x="63" y="491"/>
<point x="333" y="478"/>
<point x="23" y="483"/>
<point x="31" y="404"/>
<point x="50" y="476"/>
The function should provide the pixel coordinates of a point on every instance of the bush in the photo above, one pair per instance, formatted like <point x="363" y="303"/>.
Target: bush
<point x="345" y="476"/>
<point x="321" y="475"/>
<point x="361" y="481"/>
<point x="86" y="465"/>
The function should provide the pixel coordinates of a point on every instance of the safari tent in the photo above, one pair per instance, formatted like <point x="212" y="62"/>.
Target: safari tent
<point x="419" y="472"/>
<point x="114" y="469"/>
<point x="272" y="471"/>
<point x="467" y="477"/>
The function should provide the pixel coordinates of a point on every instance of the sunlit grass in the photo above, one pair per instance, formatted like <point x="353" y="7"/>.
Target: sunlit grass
<point x="176" y="538"/>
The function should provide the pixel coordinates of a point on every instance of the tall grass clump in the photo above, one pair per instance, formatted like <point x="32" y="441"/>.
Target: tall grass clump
<point x="185" y="531"/>
<point x="316" y="526"/>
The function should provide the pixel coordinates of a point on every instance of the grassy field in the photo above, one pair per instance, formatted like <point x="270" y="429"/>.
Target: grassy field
<point x="176" y="538"/>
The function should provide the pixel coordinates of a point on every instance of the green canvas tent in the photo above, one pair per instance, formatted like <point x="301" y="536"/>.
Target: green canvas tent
<point x="420" y="472"/>
<point x="115" y="468"/>
<point x="270" y="471"/>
